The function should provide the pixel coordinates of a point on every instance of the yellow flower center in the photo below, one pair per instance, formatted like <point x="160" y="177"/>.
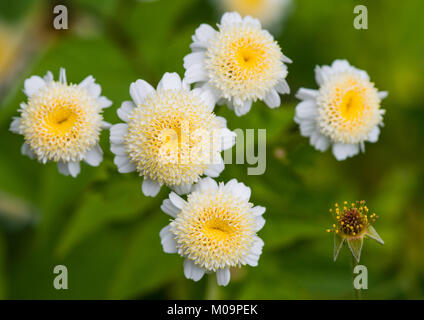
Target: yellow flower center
<point x="61" y="120"/>
<point x="352" y="105"/>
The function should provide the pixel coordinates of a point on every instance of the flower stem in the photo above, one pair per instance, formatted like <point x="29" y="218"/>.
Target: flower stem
<point x="356" y="292"/>
<point x="212" y="289"/>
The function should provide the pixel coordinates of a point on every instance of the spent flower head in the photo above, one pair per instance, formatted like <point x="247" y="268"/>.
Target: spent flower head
<point x="353" y="222"/>
<point x="62" y="122"/>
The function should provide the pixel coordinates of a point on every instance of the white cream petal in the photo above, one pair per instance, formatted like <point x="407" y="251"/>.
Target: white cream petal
<point x="62" y="76"/>
<point x="104" y="102"/>
<point x="124" y="164"/>
<point x="374" y="134"/>
<point x="230" y="18"/>
<point x="125" y="111"/>
<point x="242" y="109"/>
<point x="191" y="271"/>
<point x="223" y="276"/>
<point x="258" y="210"/>
<point x="383" y="94"/>
<point x="282" y="87"/>
<point x="33" y="84"/>
<point x="305" y="94"/>
<point x="215" y="169"/>
<point x="252" y="21"/>
<point x="343" y="150"/>
<point x="196" y="73"/>
<point x="94" y="156"/>
<point x="117" y="133"/>
<point x="14" y="126"/>
<point x="260" y="222"/>
<point x="118" y="149"/>
<point x="203" y="34"/>
<point x="27" y="151"/>
<point x="63" y="168"/>
<point x="272" y="99"/>
<point x="169" y="208"/>
<point x="139" y="90"/>
<point x="319" y="141"/>
<point x="74" y="168"/>
<point x="193" y="58"/>
<point x="182" y="189"/>
<point x="167" y="240"/>
<point x="176" y="200"/>
<point x="306" y="109"/>
<point x="205" y="184"/>
<point x="170" y="81"/>
<point x="228" y="138"/>
<point x="149" y="187"/>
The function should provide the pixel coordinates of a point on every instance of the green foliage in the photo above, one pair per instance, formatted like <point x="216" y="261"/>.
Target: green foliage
<point x="107" y="233"/>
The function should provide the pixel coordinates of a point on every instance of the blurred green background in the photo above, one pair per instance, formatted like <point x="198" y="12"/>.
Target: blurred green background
<point x="107" y="233"/>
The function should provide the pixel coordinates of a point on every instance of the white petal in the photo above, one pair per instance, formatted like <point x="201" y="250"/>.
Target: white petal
<point x="104" y="102"/>
<point x="191" y="271"/>
<point x="125" y="111"/>
<point x="167" y="240"/>
<point x="48" y="77"/>
<point x="342" y="150"/>
<point x="205" y="184"/>
<point x="193" y="58"/>
<point x="203" y="34"/>
<point x="228" y="138"/>
<point x="374" y="134"/>
<point x="94" y="156"/>
<point x="258" y="210"/>
<point x="222" y="121"/>
<point x="33" y="84"/>
<point x="74" y="168"/>
<point x="307" y="109"/>
<point x="215" y="169"/>
<point x="88" y="81"/>
<point x="282" y="87"/>
<point x="195" y="73"/>
<point x="305" y="94"/>
<point x="272" y="99"/>
<point x="117" y="133"/>
<point x="176" y="200"/>
<point x="383" y="94"/>
<point x="149" y="187"/>
<point x="118" y="149"/>
<point x="124" y="164"/>
<point x="223" y="276"/>
<point x="229" y="18"/>
<point x="139" y="90"/>
<point x="252" y="21"/>
<point x="287" y="59"/>
<point x="260" y="222"/>
<point x="319" y="141"/>
<point x="62" y="75"/>
<point x="27" y="151"/>
<point x="240" y="190"/>
<point x="182" y="189"/>
<point x="307" y="126"/>
<point x="242" y="109"/>
<point x="14" y="126"/>
<point x="170" y="81"/>
<point x="169" y="208"/>
<point x="63" y="168"/>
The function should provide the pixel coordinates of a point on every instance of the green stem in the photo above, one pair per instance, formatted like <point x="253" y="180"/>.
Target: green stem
<point x="212" y="288"/>
<point x="356" y="292"/>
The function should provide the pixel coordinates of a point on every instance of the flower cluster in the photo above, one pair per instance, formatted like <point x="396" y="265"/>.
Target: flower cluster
<point x="171" y="137"/>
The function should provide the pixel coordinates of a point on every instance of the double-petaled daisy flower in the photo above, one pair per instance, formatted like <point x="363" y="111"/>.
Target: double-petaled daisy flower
<point x="62" y="122"/>
<point x="240" y="63"/>
<point x="343" y="113"/>
<point x="214" y="230"/>
<point x="171" y="136"/>
<point x="352" y="223"/>
<point x="269" y="12"/>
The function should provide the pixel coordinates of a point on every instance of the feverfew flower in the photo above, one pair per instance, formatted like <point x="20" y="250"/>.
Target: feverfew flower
<point x="352" y="223"/>
<point x="343" y="113"/>
<point x="214" y="230"/>
<point x="240" y="63"/>
<point x="269" y="12"/>
<point x="62" y="122"/>
<point x="170" y="135"/>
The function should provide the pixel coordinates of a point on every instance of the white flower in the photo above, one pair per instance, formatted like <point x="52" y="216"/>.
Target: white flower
<point x="240" y="63"/>
<point x="62" y="122"/>
<point x="215" y="229"/>
<point x="269" y="12"/>
<point x="343" y="113"/>
<point x="167" y="135"/>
